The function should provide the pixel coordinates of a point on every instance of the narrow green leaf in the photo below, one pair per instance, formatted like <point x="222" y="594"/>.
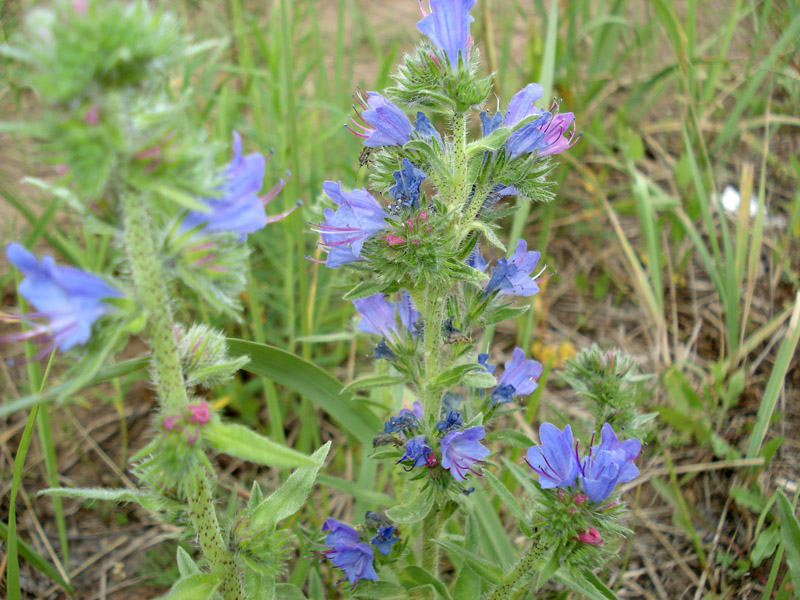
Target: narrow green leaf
<point x="364" y="289"/>
<point x="186" y="566"/>
<point x="148" y="501"/>
<point x="355" y="490"/>
<point x="291" y="495"/>
<point x="35" y="559"/>
<point x="482" y="566"/>
<point x="287" y="591"/>
<point x="309" y="381"/>
<point x="511" y="502"/>
<point x="366" y="383"/>
<point x="453" y="376"/>
<point x="585" y="583"/>
<point x="376" y="590"/>
<point x="512" y="437"/>
<point x="200" y="586"/>
<point x="790" y="532"/>
<point x="422" y="577"/>
<point x="239" y="441"/>
<point x="416" y="507"/>
<point x="479" y="379"/>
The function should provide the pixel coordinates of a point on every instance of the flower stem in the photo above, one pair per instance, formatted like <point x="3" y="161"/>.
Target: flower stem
<point x="461" y="187"/>
<point x="433" y="315"/>
<point x="525" y="566"/>
<point x="151" y="289"/>
<point x="204" y="520"/>
<point x="431" y="552"/>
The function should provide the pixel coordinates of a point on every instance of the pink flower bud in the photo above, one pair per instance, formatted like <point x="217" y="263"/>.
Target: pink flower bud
<point x="580" y="498"/>
<point x="92" y="116"/>
<point x="80" y="6"/>
<point x="591" y="537"/>
<point x="191" y="435"/>
<point x="394" y="240"/>
<point x="200" y="413"/>
<point x="170" y="421"/>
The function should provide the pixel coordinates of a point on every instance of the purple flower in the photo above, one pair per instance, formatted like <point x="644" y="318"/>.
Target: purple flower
<point x="452" y="420"/>
<point x="609" y="463"/>
<point x="425" y="129"/>
<point x="407" y="183"/>
<point x="447" y="26"/>
<point x="348" y="553"/>
<point x="556" y="461"/>
<point x="380" y="121"/>
<point x="518" y="378"/>
<point x="238" y="208"/>
<point x="405" y="419"/>
<point x="556" y="129"/>
<point x="490" y="124"/>
<point x="475" y="260"/>
<point x="522" y="104"/>
<point x="529" y="138"/>
<point x="379" y="315"/>
<point x="70" y="299"/>
<point x="384" y="539"/>
<point x="417" y="450"/>
<point x="460" y="449"/>
<point x="512" y="276"/>
<point x="344" y="231"/>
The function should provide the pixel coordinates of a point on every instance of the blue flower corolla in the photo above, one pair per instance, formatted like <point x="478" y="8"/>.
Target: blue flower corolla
<point x="382" y="350"/>
<point x="483" y="360"/>
<point x="529" y="138"/>
<point x="70" y="299"/>
<point x="379" y="314"/>
<point x="425" y="129"/>
<point x="384" y="539"/>
<point x="417" y="450"/>
<point x="238" y="208"/>
<point x="555" y="460"/>
<point x="407" y="183"/>
<point x="518" y="378"/>
<point x="348" y="553"/>
<point x="490" y="124"/>
<point x="512" y="276"/>
<point x="476" y="260"/>
<point x="461" y="449"/>
<point x="452" y="420"/>
<point x="344" y="231"/>
<point x="405" y="419"/>
<point x="522" y="104"/>
<point x="609" y="463"/>
<point x="447" y="26"/>
<point x="379" y="121"/>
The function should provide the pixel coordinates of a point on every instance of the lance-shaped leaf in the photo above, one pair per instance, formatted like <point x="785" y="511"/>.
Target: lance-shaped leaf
<point x="511" y="503"/>
<point x="414" y="577"/>
<point x="241" y="442"/>
<point x="481" y="565"/>
<point x="149" y="501"/>
<point x="290" y="496"/>
<point x="186" y="566"/>
<point x="417" y="506"/>
<point x="366" y="383"/>
<point x="200" y="586"/>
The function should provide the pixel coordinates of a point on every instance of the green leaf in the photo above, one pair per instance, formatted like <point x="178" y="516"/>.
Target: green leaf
<point x="366" y="383"/>
<point x="489" y="234"/>
<point x="239" y="441"/>
<point x="585" y="583"/>
<point x="287" y="591"/>
<point x="186" y="566"/>
<point x="416" y="507"/>
<point x="309" y="381"/>
<point x="32" y="557"/>
<point x="506" y="313"/>
<point x="364" y="289"/>
<point x="291" y="495"/>
<point x="148" y="501"/>
<point x="375" y="590"/>
<point x="420" y="577"/>
<point x="479" y="379"/>
<point x="200" y="586"/>
<point x="790" y="532"/>
<point x="355" y="490"/>
<point x="258" y="586"/>
<point x="765" y="545"/>
<point x="453" y="376"/>
<point x="510" y="501"/>
<point x="482" y="566"/>
<point x="511" y="437"/>
<point x="468" y="584"/>
<point x="57" y="391"/>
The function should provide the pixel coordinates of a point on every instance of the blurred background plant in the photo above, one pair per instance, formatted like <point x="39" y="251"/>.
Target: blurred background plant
<point x="699" y="286"/>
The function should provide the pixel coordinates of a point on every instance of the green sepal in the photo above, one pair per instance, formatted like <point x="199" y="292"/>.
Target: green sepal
<point x="241" y="442"/>
<point x="364" y="289"/>
<point x="367" y="383"/>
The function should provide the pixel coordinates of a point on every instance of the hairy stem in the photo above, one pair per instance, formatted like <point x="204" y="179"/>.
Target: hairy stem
<point x="204" y="520"/>
<point x="461" y="187"/>
<point x="431" y="552"/>
<point x="524" y="568"/>
<point x="151" y="290"/>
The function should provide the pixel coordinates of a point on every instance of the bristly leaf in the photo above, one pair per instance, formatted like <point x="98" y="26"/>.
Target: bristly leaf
<point x="241" y="442"/>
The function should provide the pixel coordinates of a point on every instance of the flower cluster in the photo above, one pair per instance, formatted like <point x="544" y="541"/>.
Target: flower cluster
<point x="605" y="465"/>
<point x="347" y="551"/>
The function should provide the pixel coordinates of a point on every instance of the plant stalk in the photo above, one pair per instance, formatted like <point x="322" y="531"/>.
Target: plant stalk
<point x="523" y="569"/>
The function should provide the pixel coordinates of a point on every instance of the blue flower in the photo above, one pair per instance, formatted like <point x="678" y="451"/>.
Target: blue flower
<point x="460" y="449"/>
<point x="238" y="208"/>
<point x="384" y="539"/>
<point x="417" y="450"/>
<point x="382" y="350"/>
<point x="425" y="129"/>
<point x="475" y="260"/>
<point x="512" y="276"/>
<point x="529" y="138"/>
<point x="70" y="299"/>
<point x="358" y="217"/>
<point x="381" y="122"/>
<point x="483" y="360"/>
<point x="405" y="419"/>
<point x="555" y="460"/>
<point x="407" y="183"/>
<point x="379" y="315"/>
<point x="490" y="124"/>
<point x="522" y="104"/>
<point x="348" y="552"/>
<point x="452" y="420"/>
<point x="609" y="463"/>
<point x="447" y="26"/>
<point x="518" y="378"/>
